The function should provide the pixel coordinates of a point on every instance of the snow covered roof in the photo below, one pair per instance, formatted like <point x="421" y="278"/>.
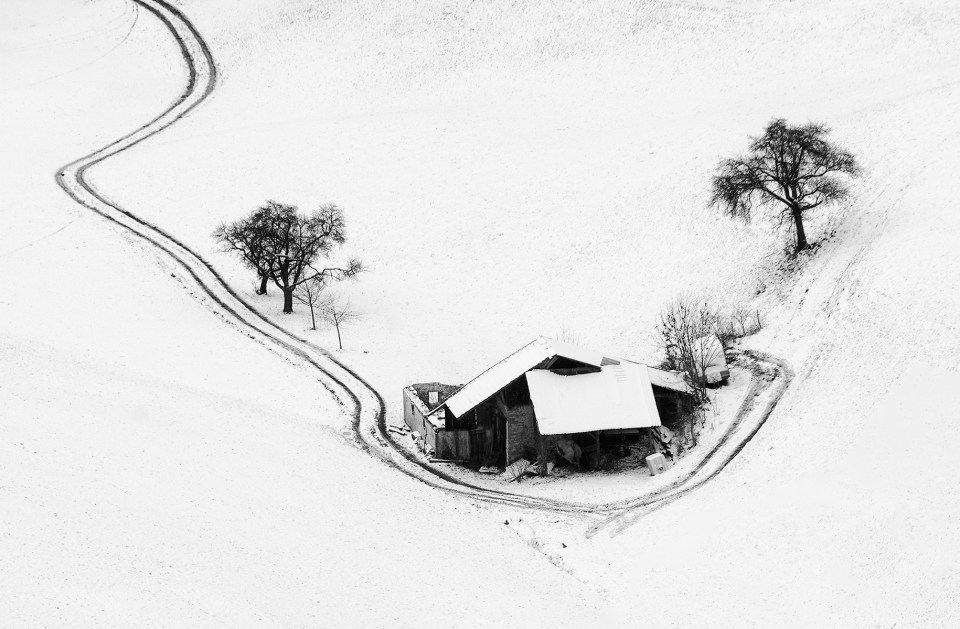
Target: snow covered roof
<point x="619" y="396"/>
<point x="514" y="366"/>
<point x="666" y="379"/>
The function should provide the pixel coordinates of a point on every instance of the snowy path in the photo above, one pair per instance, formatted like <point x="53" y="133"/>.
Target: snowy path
<point x="354" y="393"/>
<point x="735" y="439"/>
<point x="364" y="403"/>
<point x="341" y="382"/>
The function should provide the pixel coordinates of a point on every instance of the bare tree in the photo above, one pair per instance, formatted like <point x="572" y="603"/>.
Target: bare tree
<point x="794" y="167"/>
<point x="337" y="311"/>
<point x="686" y="327"/>
<point x="283" y="245"/>
<point x="725" y="329"/>
<point x="309" y="294"/>
<point x="246" y="238"/>
<point x="741" y="315"/>
<point x="293" y="242"/>
<point x="566" y="335"/>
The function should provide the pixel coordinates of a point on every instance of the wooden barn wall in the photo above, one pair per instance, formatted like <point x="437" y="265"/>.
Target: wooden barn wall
<point x="453" y="444"/>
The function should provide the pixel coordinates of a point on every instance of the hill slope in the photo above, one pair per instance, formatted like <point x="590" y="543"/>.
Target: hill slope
<point x="508" y="171"/>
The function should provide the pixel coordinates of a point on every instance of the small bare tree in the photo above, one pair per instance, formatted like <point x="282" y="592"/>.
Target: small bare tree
<point x="686" y="328"/>
<point x="337" y="311"/>
<point x="566" y="335"/>
<point x="741" y="314"/>
<point x="726" y="329"/>
<point x="793" y="167"/>
<point x="309" y="294"/>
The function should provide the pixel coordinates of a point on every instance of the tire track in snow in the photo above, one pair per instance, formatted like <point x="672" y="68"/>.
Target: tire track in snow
<point x="367" y="406"/>
<point x="645" y="506"/>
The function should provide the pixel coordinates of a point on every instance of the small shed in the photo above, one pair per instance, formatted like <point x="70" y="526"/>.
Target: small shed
<point x="418" y="399"/>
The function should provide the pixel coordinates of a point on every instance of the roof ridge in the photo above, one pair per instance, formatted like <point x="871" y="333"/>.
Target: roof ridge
<point x="477" y="377"/>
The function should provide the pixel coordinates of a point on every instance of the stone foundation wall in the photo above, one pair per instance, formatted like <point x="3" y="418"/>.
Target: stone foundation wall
<point x="521" y="432"/>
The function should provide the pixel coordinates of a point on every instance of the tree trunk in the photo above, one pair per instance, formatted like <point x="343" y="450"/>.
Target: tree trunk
<point x="313" y="319"/>
<point x="801" y="235"/>
<point x="339" y="342"/>
<point x="287" y="301"/>
<point x="263" y="284"/>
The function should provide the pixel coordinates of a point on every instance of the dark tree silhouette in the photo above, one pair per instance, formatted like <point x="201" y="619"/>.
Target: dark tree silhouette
<point x="293" y="242"/>
<point x="246" y="238"/>
<point x="795" y="168"/>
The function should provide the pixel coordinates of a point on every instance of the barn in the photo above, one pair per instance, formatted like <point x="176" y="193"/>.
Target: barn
<point x="544" y="392"/>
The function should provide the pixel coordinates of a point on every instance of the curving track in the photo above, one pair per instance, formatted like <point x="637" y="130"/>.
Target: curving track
<point x="365" y="404"/>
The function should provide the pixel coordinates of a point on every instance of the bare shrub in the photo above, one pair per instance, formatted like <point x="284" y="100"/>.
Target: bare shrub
<point x="684" y="325"/>
<point x="741" y="315"/>
<point x="566" y="335"/>
<point x="726" y="330"/>
<point x="738" y="322"/>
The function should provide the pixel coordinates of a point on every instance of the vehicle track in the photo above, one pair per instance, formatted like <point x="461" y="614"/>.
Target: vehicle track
<point x="366" y="405"/>
<point x="642" y="507"/>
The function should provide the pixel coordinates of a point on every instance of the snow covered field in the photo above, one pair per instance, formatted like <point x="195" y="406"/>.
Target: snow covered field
<point x="506" y="170"/>
<point x="159" y="468"/>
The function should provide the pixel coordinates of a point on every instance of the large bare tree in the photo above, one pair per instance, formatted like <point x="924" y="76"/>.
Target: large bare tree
<point x="294" y="242"/>
<point x="246" y="237"/>
<point x="793" y="167"/>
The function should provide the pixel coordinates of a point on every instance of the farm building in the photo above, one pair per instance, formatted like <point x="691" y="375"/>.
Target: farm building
<point x="418" y="399"/>
<point x="546" y="392"/>
<point x="669" y="390"/>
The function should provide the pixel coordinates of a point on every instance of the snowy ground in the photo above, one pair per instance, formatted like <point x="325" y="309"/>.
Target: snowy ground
<point x="506" y="171"/>
<point x="156" y="465"/>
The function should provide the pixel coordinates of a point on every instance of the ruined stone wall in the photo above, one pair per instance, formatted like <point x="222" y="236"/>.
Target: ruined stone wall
<point x="414" y="417"/>
<point x="521" y="432"/>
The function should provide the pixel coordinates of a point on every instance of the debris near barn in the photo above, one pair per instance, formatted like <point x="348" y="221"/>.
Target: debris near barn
<point x="656" y="463"/>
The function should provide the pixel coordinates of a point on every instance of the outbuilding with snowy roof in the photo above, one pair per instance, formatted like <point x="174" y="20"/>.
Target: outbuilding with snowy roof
<point x="545" y="391"/>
